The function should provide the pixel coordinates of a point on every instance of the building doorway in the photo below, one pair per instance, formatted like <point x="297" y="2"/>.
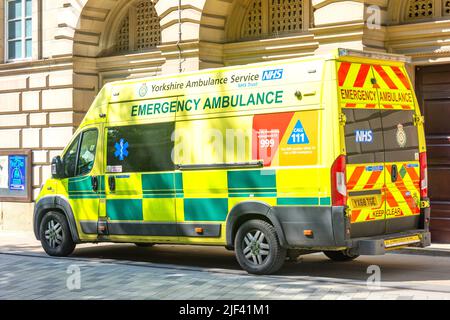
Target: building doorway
<point x="433" y="92"/>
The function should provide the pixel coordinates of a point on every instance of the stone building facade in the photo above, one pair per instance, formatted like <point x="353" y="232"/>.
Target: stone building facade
<point x="56" y="54"/>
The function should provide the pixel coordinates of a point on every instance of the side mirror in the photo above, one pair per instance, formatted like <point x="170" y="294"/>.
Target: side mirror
<point x="57" y="168"/>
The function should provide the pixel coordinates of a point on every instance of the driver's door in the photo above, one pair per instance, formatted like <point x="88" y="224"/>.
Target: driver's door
<point x="84" y="181"/>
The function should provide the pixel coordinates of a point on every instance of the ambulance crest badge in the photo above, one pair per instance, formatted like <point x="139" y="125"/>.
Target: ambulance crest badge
<point x="143" y="90"/>
<point x="401" y="136"/>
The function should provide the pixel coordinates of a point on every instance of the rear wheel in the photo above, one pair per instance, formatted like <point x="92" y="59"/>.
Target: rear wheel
<point x="258" y="248"/>
<point x="340" y="256"/>
<point x="55" y="235"/>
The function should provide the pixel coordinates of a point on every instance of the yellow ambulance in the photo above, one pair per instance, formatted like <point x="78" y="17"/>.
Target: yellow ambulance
<point x="271" y="160"/>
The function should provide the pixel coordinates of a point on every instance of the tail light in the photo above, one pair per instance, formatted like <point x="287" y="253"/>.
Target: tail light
<point x="423" y="175"/>
<point x="339" y="182"/>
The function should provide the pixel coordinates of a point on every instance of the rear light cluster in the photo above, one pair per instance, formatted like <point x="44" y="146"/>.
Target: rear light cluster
<point x="339" y="182"/>
<point x="423" y="175"/>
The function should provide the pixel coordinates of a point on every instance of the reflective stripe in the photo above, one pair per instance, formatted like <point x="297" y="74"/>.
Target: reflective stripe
<point x="362" y="75"/>
<point x="402" y="77"/>
<point x="344" y="68"/>
<point x="385" y="77"/>
<point x="355" y="177"/>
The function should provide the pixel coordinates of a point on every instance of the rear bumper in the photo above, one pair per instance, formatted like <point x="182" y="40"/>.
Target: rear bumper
<point x="379" y="245"/>
<point x="332" y="231"/>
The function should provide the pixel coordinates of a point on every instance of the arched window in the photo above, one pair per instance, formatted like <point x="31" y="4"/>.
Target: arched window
<point x="273" y="17"/>
<point x="426" y="9"/>
<point x="446" y="8"/>
<point x="420" y="9"/>
<point x="140" y="29"/>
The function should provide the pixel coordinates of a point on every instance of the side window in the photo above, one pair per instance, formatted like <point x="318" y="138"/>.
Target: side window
<point x="70" y="158"/>
<point x="87" y="152"/>
<point x="140" y="148"/>
<point x="79" y="159"/>
<point x="214" y="141"/>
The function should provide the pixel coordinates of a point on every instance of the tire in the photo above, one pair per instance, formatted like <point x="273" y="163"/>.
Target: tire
<point x="144" y="244"/>
<point x="55" y="235"/>
<point x="249" y="251"/>
<point x="340" y="256"/>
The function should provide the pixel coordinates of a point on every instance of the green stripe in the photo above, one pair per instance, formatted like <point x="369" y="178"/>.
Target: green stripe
<point x="124" y="209"/>
<point x="84" y="184"/>
<point x="162" y="181"/>
<point x="86" y="196"/>
<point x="162" y="192"/>
<point x="80" y="184"/>
<point x="325" y="201"/>
<point x="252" y="179"/>
<point x="298" y="201"/>
<point x="205" y="209"/>
<point x="163" y="196"/>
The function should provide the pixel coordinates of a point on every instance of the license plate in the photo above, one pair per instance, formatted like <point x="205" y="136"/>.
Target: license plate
<point x="401" y="241"/>
<point x="365" y="202"/>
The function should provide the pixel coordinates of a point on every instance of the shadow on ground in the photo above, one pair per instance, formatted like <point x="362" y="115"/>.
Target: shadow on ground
<point x="394" y="267"/>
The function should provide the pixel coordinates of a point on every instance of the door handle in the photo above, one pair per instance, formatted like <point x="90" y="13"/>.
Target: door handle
<point x="394" y="173"/>
<point x="112" y="183"/>
<point x="94" y="181"/>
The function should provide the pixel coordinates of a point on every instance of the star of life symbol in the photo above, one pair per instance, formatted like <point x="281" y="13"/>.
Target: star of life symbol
<point x="401" y="136"/>
<point x="121" y="149"/>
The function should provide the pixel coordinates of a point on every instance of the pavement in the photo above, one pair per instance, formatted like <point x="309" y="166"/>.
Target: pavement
<point x="168" y="272"/>
<point x="436" y="249"/>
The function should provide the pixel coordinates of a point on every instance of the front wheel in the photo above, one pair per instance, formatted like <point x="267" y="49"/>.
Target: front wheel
<point x="340" y="256"/>
<point x="258" y="248"/>
<point x="55" y="235"/>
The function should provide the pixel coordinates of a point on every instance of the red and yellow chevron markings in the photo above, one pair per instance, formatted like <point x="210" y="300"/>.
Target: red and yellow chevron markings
<point x="366" y="86"/>
<point x="394" y="89"/>
<point x="361" y="178"/>
<point x="399" y="199"/>
<point x="355" y="86"/>
<point x="404" y="192"/>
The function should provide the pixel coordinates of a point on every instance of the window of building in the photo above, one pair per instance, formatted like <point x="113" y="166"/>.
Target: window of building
<point x="140" y="28"/>
<point x="446" y="8"/>
<point x="420" y="9"/>
<point x="140" y="148"/>
<point x="18" y="27"/>
<point x="273" y="17"/>
<point x="426" y="9"/>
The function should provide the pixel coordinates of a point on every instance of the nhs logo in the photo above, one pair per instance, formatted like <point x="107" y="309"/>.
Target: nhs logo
<point x="364" y="136"/>
<point x="276" y="74"/>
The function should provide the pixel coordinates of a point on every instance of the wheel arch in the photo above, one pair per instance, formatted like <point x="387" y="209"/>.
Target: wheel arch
<point x="54" y="203"/>
<point x="249" y="210"/>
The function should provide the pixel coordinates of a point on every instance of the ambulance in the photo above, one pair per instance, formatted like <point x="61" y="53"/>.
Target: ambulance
<point x="272" y="160"/>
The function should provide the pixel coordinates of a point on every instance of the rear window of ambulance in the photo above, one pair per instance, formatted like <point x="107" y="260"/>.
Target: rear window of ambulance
<point x="363" y="136"/>
<point x="374" y="136"/>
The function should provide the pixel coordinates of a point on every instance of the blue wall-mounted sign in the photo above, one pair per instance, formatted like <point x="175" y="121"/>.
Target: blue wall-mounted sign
<point x="17" y="173"/>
